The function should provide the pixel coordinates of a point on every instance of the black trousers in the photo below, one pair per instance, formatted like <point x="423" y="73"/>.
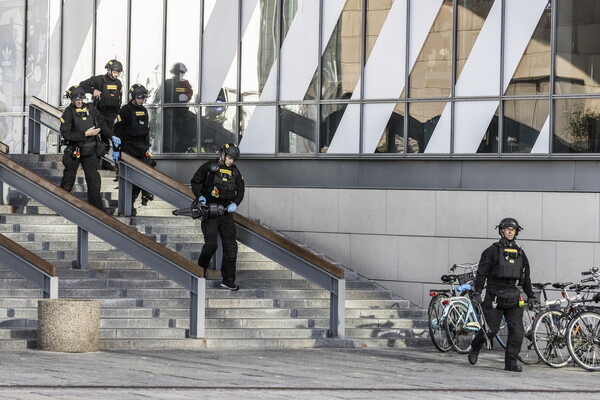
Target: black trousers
<point x="92" y="176"/>
<point x="225" y="227"/>
<point x="516" y="331"/>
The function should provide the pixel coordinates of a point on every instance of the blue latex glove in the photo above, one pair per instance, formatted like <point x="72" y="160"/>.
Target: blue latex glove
<point x="116" y="155"/>
<point x="201" y="200"/>
<point x="116" y="141"/>
<point x="231" y="208"/>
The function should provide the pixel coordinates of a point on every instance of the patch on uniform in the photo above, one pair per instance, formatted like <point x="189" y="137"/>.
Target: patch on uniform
<point x="119" y="118"/>
<point x="140" y="113"/>
<point x="81" y="110"/>
<point x="62" y="120"/>
<point x="225" y="171"/>
<point x="111" y="87"/>
<point x="180" y="90"/>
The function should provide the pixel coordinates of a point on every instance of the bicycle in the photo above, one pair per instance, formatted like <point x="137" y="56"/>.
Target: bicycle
<point x="583" y="330"/>
<point x="438" y="302"/>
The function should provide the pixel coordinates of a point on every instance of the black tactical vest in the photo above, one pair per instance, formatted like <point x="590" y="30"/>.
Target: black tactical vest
<point x="111" y="94"/>
<point x="82" y="121"/>
<point x="510" y="263"/>
<point x="224" y="185"/>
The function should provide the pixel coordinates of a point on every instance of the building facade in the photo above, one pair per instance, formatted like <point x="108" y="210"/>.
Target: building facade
<point x="390" y="135"/>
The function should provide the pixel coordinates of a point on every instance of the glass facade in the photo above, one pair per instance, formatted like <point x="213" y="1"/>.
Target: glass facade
<point x="321" y="78"/>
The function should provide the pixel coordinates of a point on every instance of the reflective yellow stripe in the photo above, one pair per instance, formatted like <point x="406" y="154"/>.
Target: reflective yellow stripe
<point x="225" y="171"/>
<point x="81" y="109"/>
<point x="139" y="113"/>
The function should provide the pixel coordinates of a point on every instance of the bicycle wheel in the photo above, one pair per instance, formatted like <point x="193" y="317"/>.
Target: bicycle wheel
<point x="502" y="335"/>
<point x="436" y="327"/>
<point x="583" y="340"/>
<point x="528" y="355"/>
<point x="549" y="338"/>
<point x="455" y="326"/>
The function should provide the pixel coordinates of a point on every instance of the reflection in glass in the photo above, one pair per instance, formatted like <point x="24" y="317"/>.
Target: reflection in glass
<point x="217" y="127"/>
<point x="246" y="113"/>
<point x="180" y="129"/>
<point x="377" y="12"/>
<point x="146" y="62"/>
<point x="259" y="49"/>
<point x="577" y="52"/>
<point x="423" y="118"/>
<point x="489" y="143"/>
<point x="523" y="121"/>
<point x="155" y="121"/>
<point x="576" y="126"/>
<point x="289" y="9"/>
<point x="392" y="137"/>
<point x="182" y="48"/>
<point x="340" y="64"/>
<point x="431" y="74"/>
<point x="470" y="19"/>
<point x="297" y="128"/>
<point x="331" y="115"/>
<point x="36" y="74"/>
<point x="532" y="75"/>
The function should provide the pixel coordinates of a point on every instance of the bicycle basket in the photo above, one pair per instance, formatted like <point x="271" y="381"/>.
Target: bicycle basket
<point x="464" y="278"/>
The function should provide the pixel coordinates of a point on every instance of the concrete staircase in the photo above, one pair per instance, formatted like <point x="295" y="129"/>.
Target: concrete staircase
<point x="142" y="309"/>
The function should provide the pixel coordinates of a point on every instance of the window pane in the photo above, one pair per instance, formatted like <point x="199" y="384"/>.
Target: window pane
<point x="146" y="60"/>
<point x="183" y="53"/>
<point x="217" y="127"/>
<point x="431" y="74"/>
<point x="389" y="138"/>
<point x="180" y="129"/>
<point x="331" y="115"/>
<point x="76" y="44"/>
<point x="155" y="121"/>
<point x="220" y="40"/>
<point x="577" y="47"/>
<point x="111" y="35"/>
<point x="340" y="64"/>
<point x="421" y="125"/>
<point x="301" y="38"/>
<point x="297" y="128"/>
<point x="523" y="122"/>
<point x="37" y="51"/>
<point x="577" y="126"/>
<point x="471" y="17"/>
<point x="532" y="75"/>
<point x="258" y="129"/>
<point x="259" y="49"/>
<point x="475" y="127"/>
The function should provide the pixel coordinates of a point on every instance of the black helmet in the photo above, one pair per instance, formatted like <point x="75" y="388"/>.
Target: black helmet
<point x="137" y="91"/>
<point x="178" y="67"/>
<point x="115" y="65"/>
<point x="231" y="150"/>
<point x="509" y="222"/>
<point x="75" y="93"/>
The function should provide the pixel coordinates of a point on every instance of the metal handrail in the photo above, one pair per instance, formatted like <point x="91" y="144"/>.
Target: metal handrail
<point x="29" y="266"/>
<point x="90" y="219"/>
<point x="250" y="233"/>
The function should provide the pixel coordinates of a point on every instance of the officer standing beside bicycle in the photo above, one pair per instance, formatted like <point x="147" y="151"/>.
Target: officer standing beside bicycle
<point x="220" y="182"/>
<point x="503" y="266"/>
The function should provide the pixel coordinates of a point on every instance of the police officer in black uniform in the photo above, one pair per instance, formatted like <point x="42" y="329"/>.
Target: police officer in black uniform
<point x="220" y="182"/>
<point x="132" y="135"/>
<point x="503" y="265"/>
<point x="81" y="127"/>
<point x="107" y="91"/>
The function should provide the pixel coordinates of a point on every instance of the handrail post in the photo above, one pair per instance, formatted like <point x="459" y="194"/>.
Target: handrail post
<point x="197" y="307"/>
<point x="34" y="130"/>
<point x="125" y="192"/>
<point x="82" y="248"/>
<point x="337" y="309"/>
<point x="51" y="290"/>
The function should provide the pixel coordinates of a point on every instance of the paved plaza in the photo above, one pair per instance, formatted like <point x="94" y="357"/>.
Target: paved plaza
<point x="282" y="374"/>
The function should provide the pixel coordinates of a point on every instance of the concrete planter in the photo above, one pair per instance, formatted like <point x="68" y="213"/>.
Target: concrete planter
<point x="69" y="325"/>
